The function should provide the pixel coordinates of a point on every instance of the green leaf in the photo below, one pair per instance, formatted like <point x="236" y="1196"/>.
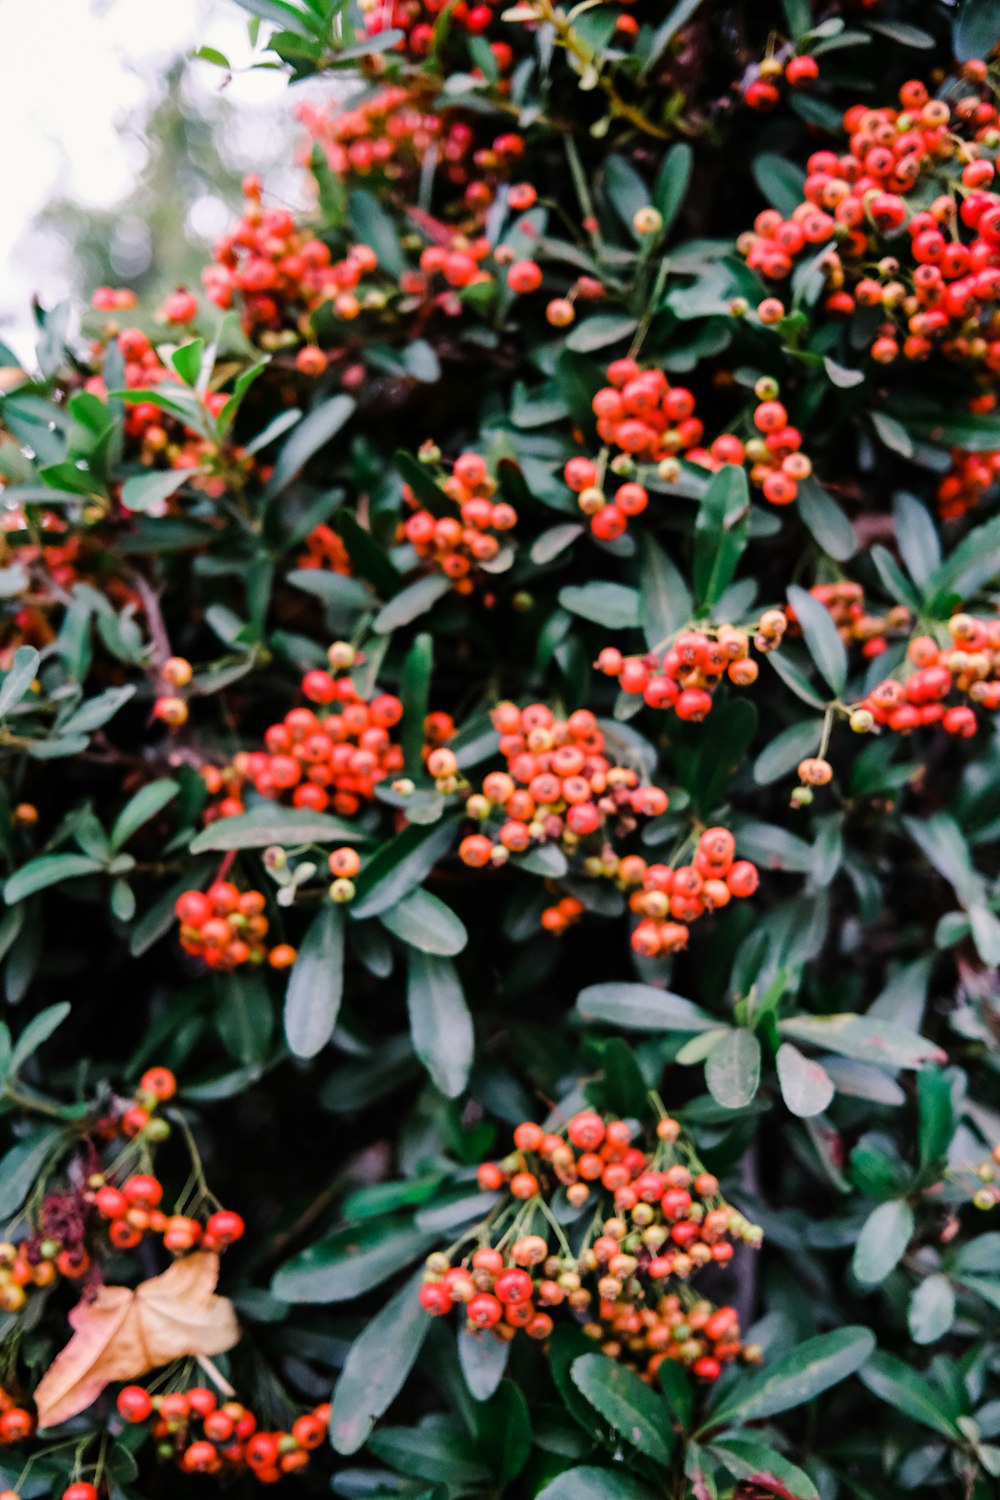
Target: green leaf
<point x="36" y="1033"/>
<point x="415" y="694"/>
<point x="932" y="1310"/>
<point x="784" y="752"/>
<point x="894" y="1382"/>
<point x="18" y="680"/>
<point x="764" y="1468"/>
<point x="376" y="1368"/>
<point x="48" y="869"/>
<point x="588" y="1483"/>
<point x="672" y="183"/>
<point x="824" y="644"/>
<point x="424" y="922"/>
<point x="795" y="1378"/>
<point x="626" y="1404"/>
<point x="440" y="1023"/>
<point x="626" y="190"/>
<point x="351" y="1262"/>
<point x="721" y="532"/>
<point x="827" y="522"/>
<point x="399" y="865"/>
<point x="944" y="846"/>
<point x="882" y="1241"/>
<point x="96" y="712"/>
<point x="609" y="604"/>
<point x="412" y="602"/>
<point x="280" y="13"/>
<point x="272" y="824"/>
<point x="732" y="1071"/>
<point x="665" y="603"/>
<point x="936" y="1116"/>
<point x="780" y="181"/>
<point x="503" y="1431"/>
<point x="145" y="494"/>
<point x="867" y="1039"/>
<point x="975" y="30"/>
<point x="917" y="538"/>
<point x="316" y="984"/>
<point x="147" y="802"/>
<point x="971" y="564"/>
<point x="598" y="331"/>
<point x="806" y="1086"/>
<point x="20" y="1168"/>
<point x="892" y="433"/>
<point x="640" y="1007"/>
<point x="483" y="1360"/>
<point x="376" y="227"/>
<point x="312" y="433"/>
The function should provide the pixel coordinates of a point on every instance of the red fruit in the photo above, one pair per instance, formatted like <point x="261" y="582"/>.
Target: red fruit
<point x="159" y="1082"/>
<point x="134" y="1403"/>
<point x="143" y="1191"/>
<point x="800" y="70"/>
<point x="524" y="276"/>
<point x="586" y="1130"/>
<point x="192" y="908"/>
<point x="435" y="1300"/>
<point x="309" y="1431"/>
<point x="743" y="879"/>
<point x="513" y="1287"/>
<point x="707" y="1368"/>
<point x="262" y="1451"/>
<point x="111" y="1202"/>
<point x="225" y="1227"/>
<point x="484" y="1311"/>
<point x="81" y="1490"/>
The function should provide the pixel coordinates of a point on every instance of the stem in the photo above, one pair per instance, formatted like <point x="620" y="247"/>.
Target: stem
<point x="216" y="1376"/>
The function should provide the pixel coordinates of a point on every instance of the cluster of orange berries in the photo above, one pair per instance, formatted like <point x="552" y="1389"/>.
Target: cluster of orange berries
<point x="278" y="271"/>
<point x="987" y="1194"/>
<point x="155" y="434"/>
<point x="844" y="602"/>
<point x="650" y="421"/>
<point x="331" y="759"/>
<point x="57" y="1246"/>
<point x="655" y="1217"/>
<point x="417" y="18"/>
<point x="761" y="90"/>
<point x="944" y="296"/>
<point x="969" y="665"/>
<point x="968" y="479"/>
<point x="226" y="927"/>
<point x="671" y="897"/>
<point x="459" y="546"/>
<point x="133" y="1210"/>
<point x="559" y="786"/>
<point x="388" y="137"/>
<point x="685" y="676"/>
<point x="324" y="552"/>
<point x="203" y="1437"/>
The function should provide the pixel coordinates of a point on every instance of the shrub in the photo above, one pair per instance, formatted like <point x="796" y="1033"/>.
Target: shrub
<point x="501" y="782"/>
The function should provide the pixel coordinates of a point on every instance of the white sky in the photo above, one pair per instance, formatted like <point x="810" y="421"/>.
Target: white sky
<point x="70" y="72"/>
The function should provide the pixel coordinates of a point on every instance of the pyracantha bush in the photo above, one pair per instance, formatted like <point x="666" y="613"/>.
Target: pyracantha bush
<point x="499" y="718"/>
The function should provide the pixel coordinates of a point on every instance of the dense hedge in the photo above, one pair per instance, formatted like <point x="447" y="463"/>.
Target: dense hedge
<point x="502" y="786"/>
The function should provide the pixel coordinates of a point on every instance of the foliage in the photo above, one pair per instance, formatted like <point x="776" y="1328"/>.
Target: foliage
<point x="518" y="652"/>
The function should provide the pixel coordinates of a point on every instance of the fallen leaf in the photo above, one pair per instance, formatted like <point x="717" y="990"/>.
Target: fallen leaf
<point x="125" y="1332"/>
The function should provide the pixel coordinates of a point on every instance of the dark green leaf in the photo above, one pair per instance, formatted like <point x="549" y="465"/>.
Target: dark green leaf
<point x="272" y="824"/>
<point x="48" y="869"/>
<point x="824" y="644"/>
<point x="640" y="1007"/>
<point x="732" y="1071"/>
<point x="795" y="1378"/>
<point x="893" y="1381"/>
<point x="626" y="1404"/>
<point x="882" y="1241"/>
<point x="376" y="1368"/>
<point x="424" y="922"/>
<point x="316" y="984"/>
<point x="351" y="1262"/>
<point x="440" y="1023"/>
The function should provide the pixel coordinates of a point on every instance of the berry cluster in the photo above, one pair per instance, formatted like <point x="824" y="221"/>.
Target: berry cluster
<point x="203" y="1437"/>
<point x="970" y="665"/>
<point x="654" y="1216"/>
<point x="324" y="551"/>
<point x="155" y="435"/>
<point x="649" y="421"/>
<point x="460" y="547"/>
<point x="417" y="18"/>
<point x="330" y="759"/>
<point x="760" y="87"/>
<point x="559" y="786"/>
<point x="939" y="285"/>
<point x="133" y="1210"/>
<point x="226" y="927"/>
<point x="276" y="270"/>
<point x="685" y="676"/>
<point x="970" y="476"/>
<point x="670" y="897"/>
